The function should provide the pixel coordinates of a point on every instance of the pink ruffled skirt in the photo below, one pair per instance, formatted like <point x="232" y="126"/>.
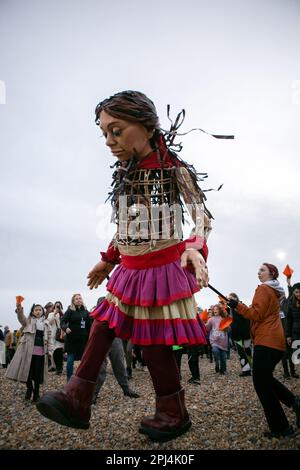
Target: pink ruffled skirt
<point x="153" y="306"/>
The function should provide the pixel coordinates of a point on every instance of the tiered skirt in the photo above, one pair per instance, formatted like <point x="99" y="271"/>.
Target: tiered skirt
<point x="154" y="305"/>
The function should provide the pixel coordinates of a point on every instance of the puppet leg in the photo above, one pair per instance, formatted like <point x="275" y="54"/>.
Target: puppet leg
<point x="171" y="418"/>
<point x="71" y="406"/>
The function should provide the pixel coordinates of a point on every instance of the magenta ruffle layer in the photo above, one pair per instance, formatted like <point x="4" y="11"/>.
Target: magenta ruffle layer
<point x="149" y="332"/>
<point x="151" y="287"/>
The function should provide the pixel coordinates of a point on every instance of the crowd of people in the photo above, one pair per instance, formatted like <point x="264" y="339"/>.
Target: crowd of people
<point x="57" y="337"/>
<point x="49" y="338"/>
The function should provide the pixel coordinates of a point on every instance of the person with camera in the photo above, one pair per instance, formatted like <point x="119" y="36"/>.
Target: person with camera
<point x="58" y="338"/>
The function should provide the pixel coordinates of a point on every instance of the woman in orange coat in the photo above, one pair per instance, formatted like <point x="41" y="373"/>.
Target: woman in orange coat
<point x="269" y="346"/>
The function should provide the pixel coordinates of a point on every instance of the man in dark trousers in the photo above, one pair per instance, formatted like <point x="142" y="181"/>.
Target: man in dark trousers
<point x="240" y="334"/>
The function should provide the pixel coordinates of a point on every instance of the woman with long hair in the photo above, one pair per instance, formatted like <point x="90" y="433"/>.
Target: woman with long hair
<point x="58" y="340"/>
<point x="218" y="338"/>
<point x="76" y="323"/>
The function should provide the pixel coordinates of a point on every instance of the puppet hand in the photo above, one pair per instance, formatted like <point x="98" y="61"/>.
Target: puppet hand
<point x="193" y="256"/>
<point x="99" y="272"/>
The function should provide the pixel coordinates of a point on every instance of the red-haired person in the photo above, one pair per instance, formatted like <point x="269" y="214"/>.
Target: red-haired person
<point x="269" y="345"/>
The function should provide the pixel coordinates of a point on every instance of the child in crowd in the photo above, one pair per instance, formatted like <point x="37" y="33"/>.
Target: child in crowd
<point x="28" y="364"/>
<point x="218" y="338"/>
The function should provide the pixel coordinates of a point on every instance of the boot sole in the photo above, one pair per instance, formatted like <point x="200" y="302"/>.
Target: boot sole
<point x="51" y="409"/>
<point x="162" y="436"/>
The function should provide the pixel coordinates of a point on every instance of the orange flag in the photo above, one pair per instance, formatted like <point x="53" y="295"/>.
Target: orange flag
<point x="204" y="315"/>
<point x="19" y="299"/>
<point x="288" y="271"/>
<point x="225" y="323"/>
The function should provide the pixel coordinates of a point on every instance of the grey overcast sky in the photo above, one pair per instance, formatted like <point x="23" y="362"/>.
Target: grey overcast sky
<point x="234" y="66"/>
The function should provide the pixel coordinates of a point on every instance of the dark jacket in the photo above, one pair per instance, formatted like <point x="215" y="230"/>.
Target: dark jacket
<point x="240" y="327"/>
<point x="293" y="320"/>
<point x="76" y="340"/>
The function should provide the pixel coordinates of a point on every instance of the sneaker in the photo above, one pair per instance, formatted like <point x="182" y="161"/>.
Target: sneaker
<point x="195" y="381"/>
<point x="130" y="393"/>
<point x="28" y="394"/>
<point x="296" y="408"/>
<point x="217" y="369"/>
<point x="245" y="373"/>
<point x="288" y="432"/>
<point x="36" y="397"/>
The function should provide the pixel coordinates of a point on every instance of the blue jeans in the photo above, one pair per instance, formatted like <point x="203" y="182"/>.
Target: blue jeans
<point x="220" y="359"/>
<point x="70" y="363"/>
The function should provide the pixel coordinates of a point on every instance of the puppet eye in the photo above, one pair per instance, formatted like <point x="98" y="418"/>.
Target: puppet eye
<point x="116" y="132"/>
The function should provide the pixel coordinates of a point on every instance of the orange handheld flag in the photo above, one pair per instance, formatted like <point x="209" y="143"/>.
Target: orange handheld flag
<point x="288" y="271"/>
<point x="19" y="299"/>
<point x="204" y="315"/>
<point x="225" y="323"/>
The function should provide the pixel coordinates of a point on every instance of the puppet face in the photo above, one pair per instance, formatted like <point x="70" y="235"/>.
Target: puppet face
<point x="264" y="274"/>
<point x="125" y="138"/>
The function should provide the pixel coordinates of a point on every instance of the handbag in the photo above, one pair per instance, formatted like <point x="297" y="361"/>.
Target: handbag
<point x="60" y="334"/>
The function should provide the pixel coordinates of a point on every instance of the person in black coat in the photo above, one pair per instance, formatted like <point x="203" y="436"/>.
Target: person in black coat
<point x="287" y="363"/>
<point x="76" y="322"/>
<point x="240" y="334"/>
<point x="293" y="320"/>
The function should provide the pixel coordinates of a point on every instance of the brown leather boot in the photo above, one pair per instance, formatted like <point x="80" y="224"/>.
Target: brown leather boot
<point x="70" y="406"/>
<point x="171" y="418"/>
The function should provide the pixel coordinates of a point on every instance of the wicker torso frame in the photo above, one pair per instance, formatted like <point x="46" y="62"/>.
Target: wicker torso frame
<point x="145" y="210"/>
